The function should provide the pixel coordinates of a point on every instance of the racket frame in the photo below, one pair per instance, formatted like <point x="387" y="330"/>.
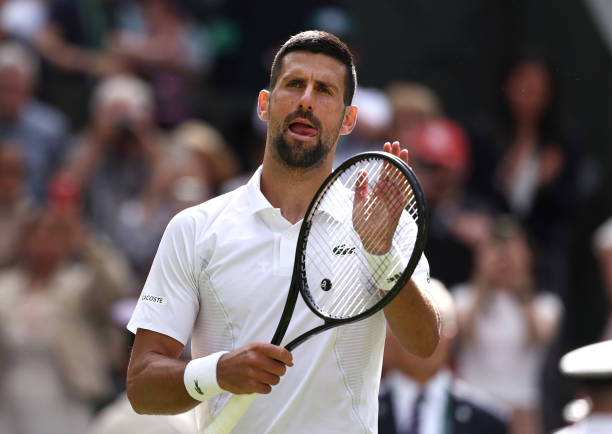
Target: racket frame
<point x="299" y="283"/>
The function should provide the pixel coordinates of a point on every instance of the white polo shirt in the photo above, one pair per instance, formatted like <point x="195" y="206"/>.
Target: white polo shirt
<point x="221" y="275"/>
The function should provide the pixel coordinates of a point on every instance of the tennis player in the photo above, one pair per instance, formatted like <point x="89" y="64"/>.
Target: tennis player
<point x="223" y="270"/>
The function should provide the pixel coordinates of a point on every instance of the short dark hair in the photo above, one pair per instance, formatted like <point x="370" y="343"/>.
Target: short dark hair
<point x="318" y="41"/>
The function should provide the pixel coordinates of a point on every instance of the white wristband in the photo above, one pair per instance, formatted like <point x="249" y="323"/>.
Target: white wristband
<point x="386" y="269"/>
<point x="200" y="377"/>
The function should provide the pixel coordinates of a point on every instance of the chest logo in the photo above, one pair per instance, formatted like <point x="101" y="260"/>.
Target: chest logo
<point x="343" y="250"/>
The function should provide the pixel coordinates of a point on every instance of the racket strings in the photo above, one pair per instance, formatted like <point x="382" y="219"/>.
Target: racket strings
<point x="353" y="283"/>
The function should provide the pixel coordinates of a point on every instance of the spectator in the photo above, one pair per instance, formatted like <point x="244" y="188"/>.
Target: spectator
<point x="448" y="405"/>
<point x="535" y="171"/>
<point x="374" y="121"/>
<point x="440" y="155"/>
<point x="506" y="324"/>
<point x="206" y="158"/>
<point x="412" y="104"/>
<point x="120" y="160"/>
<point x="53" y="323"/>
<point x="15" y="202"/>
<point x="72" y="44"/>
<point x="170" y="51"/>
<point x="40" y="130"/>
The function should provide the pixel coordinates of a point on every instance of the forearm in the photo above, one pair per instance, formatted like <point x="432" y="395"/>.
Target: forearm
<point x="414" y="320"/>
<point x="155" y="385"/>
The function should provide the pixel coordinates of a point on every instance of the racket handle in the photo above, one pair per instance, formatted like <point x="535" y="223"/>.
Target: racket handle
<point x="229" y="416"/>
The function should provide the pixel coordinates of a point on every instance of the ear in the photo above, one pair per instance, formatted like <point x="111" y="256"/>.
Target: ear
<point x="349" y="120"/>
<point x="263" y="105"/>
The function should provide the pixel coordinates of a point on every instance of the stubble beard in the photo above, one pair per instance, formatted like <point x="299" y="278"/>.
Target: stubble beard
<point x="300" y="155"/>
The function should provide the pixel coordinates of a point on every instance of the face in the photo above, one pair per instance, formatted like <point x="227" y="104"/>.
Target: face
<point x="510" y="261"/>
<point x="528" y="90"/>
<point x="305" y="109"/>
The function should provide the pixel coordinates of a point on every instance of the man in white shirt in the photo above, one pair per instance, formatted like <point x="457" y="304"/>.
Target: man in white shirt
<point x="223" y="269"/>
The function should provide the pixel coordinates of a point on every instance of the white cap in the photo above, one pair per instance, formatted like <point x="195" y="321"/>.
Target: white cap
<point x="590" y="362"/>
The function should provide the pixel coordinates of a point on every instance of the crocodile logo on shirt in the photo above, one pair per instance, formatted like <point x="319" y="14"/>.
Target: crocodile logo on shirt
<point x="343" y="250"/>
<point x="197" y="388"/>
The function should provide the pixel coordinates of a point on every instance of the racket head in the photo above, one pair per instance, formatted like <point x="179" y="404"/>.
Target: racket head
<point x="330" y="269"/>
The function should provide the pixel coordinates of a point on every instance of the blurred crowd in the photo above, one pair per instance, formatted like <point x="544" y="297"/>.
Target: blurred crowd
<point x="117" y="114"/>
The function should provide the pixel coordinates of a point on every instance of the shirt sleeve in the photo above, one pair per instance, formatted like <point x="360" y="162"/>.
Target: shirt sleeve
<point x="169" y="302"/>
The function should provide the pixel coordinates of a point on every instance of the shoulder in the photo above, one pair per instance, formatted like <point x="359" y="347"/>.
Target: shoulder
<point x="197" y="225"/>
<point x="229" y="205"/>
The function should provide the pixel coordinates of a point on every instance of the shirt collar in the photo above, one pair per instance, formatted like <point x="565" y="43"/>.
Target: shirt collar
<point x="258" y="202"/>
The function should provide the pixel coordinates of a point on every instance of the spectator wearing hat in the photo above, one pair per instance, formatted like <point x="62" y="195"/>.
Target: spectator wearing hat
<point x="440" y="155"/>
<point x="591" y="366"/>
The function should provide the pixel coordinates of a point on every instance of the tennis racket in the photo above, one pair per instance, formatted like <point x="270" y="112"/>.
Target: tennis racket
<point x="360" y="241"/>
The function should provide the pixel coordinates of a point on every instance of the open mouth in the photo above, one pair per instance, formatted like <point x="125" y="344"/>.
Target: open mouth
<point x="303" y="128"/>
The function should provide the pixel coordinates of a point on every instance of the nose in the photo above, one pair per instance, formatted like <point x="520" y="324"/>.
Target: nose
<point x="306" y="99"/>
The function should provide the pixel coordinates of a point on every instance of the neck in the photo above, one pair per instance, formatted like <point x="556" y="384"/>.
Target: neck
<point x="291" y="189"/>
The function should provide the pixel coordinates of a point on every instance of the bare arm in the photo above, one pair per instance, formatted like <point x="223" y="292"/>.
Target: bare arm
<point x="155" y="375"/>
<point x="414" y="320"/>
<point x="411" y="315"/>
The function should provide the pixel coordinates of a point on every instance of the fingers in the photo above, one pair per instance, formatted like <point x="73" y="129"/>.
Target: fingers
<point x="395" y="149"/>
<point x="254" y="368"/>
<point x="361" y="187"/>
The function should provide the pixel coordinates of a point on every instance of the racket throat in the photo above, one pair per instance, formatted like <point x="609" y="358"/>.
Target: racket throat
<point x="283" y="323"/>
<point x="304" y="337"/>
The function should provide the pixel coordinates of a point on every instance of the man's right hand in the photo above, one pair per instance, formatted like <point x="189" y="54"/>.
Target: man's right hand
<point x="254" y="368"/>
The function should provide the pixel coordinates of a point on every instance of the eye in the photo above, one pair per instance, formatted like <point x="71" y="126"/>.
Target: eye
<point x="294" y="83"/>
<point x="325" y="89"/>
